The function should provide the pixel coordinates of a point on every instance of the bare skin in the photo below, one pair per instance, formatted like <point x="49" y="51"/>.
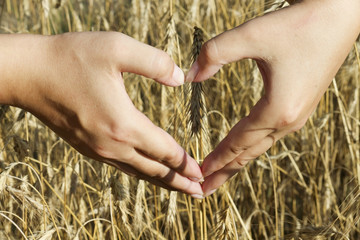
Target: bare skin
<point x="298" y="50"/>
<point x="73" y="83"/>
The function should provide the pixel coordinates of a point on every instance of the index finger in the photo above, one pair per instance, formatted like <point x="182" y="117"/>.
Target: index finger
<point x="159" y="145"/>
<point x="229" y="46"/>
<point x="249" y="132"/>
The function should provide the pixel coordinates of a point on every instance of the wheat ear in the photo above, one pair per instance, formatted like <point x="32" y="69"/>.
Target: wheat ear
<point x="196" y="107"/>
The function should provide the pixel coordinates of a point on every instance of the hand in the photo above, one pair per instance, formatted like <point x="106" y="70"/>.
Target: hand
<point x="74" y="84"/>
<point x="298" y="50"/>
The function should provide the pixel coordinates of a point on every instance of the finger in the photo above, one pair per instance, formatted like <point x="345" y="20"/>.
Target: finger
<point x="249" y="132"/>
<point x="157" y="144"/>
<point x="141" y="166"/>
<point x="134" y="173"/>
<point x="265" y="120"/>
<point x="152" y="141"/>
<point x="227" y="47"/>
<point x="216" y="179"/>
<point x="139" y="58"/>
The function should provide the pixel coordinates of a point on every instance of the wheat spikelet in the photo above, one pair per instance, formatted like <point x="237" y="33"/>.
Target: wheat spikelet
<point x="196" y="107"/>
<point x="83" y="211"/>
<point x="120" y="192"/>
<point x="58" y="3"/>
<point x="46" y="7"/>
<point x="4" y="181"/>
<point x="145" y="21"/>
<point x="327" y="153"/>
<point x="169" y="44"/>
<point x="117" y="189"/>
<point x="198" y="40"/>
<point x="26" y="199"/>
<point x="47" y="235"/>
<point x="170" y="37"/>
<point x="74" y="179"/>
<point x="27" y="8"/>
<point x="21" y="147"/>
<point x="77" y="22"/>
<point x="312" y="232"/>
<point x="170" y="214"/>
<point x="194" y="11"/>
<point x="224" y="229"/>
<point x="139" y="207"/>
<point x="65" y="186"/>
<point x="123" y="203"/>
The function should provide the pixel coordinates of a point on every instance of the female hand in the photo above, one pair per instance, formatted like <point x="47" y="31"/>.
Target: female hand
<point x="298" y="50"/>
<point x="73" y="83"/>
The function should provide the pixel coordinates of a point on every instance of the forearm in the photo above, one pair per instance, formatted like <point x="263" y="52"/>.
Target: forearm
<point x="21" y="63"/>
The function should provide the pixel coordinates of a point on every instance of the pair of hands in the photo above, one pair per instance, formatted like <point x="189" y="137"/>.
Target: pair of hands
<point x="77" y="89"/>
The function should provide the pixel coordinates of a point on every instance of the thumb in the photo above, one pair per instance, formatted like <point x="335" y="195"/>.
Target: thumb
<point x="227" y="47"/>
<point x="139" y="58"/>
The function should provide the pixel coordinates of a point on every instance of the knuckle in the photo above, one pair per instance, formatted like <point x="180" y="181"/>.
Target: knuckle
<point x="173" y="159"/>
<point x="291" y="119"/>
<point x="108" y="136"/>
<point x="252" y="30"/>
<point x="121" y="133"/>
<point x="241" y="162"/>
<point x="171" y="153"/>
<point x="161" y="173"/>
<point x="101" y="151"/>
<point x="110" y="43"/>
<point x="236" y="150"/>
<point x="163" y="65"/>
<point x="285" y="120"/>
<point x="288" y="117"/>
<point x="210" y="51"/>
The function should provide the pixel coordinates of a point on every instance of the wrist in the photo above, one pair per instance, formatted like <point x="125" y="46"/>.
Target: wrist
<point x="22" y="65"/>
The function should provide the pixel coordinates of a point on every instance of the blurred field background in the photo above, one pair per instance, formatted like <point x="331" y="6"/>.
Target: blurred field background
<point x="305" y="187"/>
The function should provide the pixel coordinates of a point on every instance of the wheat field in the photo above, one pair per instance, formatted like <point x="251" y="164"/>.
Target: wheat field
<point x="305" y="187"/>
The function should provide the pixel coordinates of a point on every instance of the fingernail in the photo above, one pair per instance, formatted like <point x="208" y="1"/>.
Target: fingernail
<point x="190" y="77"/>
<point x="210" y="192"/>
<point x="199" y="180"/>
<point x="197" y="196"/>
<point x="178" y="76"/>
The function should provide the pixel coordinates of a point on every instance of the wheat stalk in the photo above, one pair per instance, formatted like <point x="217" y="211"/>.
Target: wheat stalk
<point x="325" y="152"/>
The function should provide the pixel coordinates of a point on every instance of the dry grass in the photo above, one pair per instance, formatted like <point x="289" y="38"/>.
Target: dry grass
<point x="305" y="187"/>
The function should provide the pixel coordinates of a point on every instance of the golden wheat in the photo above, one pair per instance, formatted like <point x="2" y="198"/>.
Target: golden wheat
<point x="305" y="187"/>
